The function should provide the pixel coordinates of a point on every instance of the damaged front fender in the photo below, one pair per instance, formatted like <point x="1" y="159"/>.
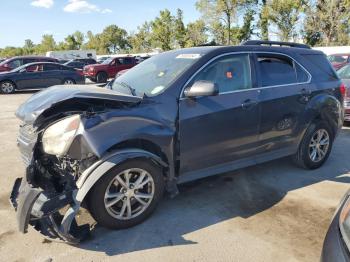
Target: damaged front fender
<point x="42" y="209"/>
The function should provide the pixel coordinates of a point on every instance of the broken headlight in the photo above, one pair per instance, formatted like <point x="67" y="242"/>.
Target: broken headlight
<point x="58" y="137"/>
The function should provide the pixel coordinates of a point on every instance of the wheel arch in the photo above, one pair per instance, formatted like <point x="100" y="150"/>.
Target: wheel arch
<point x="90" y="176"/>
<point x="9" y="80"/>
<point x="324" y="107"/>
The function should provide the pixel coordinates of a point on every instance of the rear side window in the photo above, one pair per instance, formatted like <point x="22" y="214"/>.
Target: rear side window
<point x="321" y="69"/>
<point x="280" y="70"/>
<point x="49" y="67"/>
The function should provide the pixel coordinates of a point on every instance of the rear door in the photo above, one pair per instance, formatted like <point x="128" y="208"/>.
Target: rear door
<point x="284" y="93"/>
<point x="51" y="75"/>
<point x="220" y="129"/>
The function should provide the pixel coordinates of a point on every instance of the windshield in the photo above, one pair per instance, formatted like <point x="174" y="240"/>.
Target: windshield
<point x="107" y="61"/>
<point x="156" y="74"/>
<point x="344" y="72"/>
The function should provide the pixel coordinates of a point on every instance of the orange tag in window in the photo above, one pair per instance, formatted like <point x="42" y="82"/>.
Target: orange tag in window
<point x="229" y="74"/>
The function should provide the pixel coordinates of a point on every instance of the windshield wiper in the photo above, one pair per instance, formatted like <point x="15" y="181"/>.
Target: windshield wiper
<point x="132" y="90"/>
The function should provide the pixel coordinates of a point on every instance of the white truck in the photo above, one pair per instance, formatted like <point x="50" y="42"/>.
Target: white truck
<point x="72" y="54"/>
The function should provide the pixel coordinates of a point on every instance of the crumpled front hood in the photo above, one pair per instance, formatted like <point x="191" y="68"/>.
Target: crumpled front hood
<point x="37" y="104"/>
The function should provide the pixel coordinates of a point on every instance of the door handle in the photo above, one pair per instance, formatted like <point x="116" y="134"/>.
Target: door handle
<point x="249" y="103"/>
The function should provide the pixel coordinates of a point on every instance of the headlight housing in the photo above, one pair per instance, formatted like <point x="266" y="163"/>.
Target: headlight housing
<point x="58" y="137"/>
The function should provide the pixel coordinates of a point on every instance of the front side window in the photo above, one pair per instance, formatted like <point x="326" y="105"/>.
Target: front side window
<point x="229" y="73"/>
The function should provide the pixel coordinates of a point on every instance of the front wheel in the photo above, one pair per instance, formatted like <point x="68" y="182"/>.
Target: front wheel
<point x="315" y="147"/>
<point x="7" y="87"/>
<point x="126" y="195"/>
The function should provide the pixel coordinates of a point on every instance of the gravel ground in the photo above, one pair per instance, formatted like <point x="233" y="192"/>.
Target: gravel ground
<point x="269" y="212"/>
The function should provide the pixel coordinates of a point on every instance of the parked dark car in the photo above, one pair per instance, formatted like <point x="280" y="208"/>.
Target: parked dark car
<point x="38" y="75"/>
<point x="336" y="247"/>
<point x="176" y="117"/>
<point x="109" y="68"/>
<point x="339" y="60"/>
<point x="80" y="63"/>
<point x="17" y="61"/>
<point x="344" y="74"/>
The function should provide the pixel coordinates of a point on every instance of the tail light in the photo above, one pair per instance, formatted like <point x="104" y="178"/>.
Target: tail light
<point x="342" y="90"/>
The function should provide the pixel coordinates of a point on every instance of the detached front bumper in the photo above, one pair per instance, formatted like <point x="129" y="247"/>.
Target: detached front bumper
<point x="42" y="210"/>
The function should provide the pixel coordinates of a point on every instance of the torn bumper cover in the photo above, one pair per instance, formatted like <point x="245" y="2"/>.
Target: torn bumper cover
<point x="36" y="207"/>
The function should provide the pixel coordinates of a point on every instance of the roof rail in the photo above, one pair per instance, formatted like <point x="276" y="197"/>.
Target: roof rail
<point x="272" y="43"/>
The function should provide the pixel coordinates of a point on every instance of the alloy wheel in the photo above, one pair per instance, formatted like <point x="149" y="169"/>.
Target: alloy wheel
<point x="7" y="87"/>
<point x="68" y="82"/>
<point x="129" y="193"/>
<point x="319" y="145"/>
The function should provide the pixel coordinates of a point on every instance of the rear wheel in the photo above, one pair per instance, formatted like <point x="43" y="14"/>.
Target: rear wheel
<point x="101" y="77"/>
<point x="7" y="87"/>
<point x="69" y="81"/>
<point x="127" y="195"/>
<point x="315" y="147"/>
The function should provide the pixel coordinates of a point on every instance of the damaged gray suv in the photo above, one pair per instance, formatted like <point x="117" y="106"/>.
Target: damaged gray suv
<point x="178" y="116"/>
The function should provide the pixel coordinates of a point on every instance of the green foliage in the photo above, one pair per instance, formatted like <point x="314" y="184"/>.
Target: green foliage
<point x="285" y="14"/>
<point x="162" y="30"/>
<point x="196" y="34"/>
<point x="327" y="23"/>
<point x="113" y="39"/>
<point x="318" y="22"/>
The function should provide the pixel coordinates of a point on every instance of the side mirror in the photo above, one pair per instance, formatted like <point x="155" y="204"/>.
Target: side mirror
<point x="202" y="88"/>
<point x="23" y="70"/>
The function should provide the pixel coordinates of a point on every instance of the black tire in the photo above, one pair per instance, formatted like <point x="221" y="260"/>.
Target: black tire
<point x="7" y="87"/>
<point x="302" y="158"/>
<point x="101" y="77"/>
<point x="68" y="81"/>
<point x="96" y="196"/>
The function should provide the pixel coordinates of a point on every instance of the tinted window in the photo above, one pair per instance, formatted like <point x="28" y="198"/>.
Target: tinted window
<point x="337" y="58"/>
<point x="35" y="68"/>
<point x="15" y="63"/>
<point x="29" y="60"/>
<point x="125" y="60"/>
<point x="230" y="73"/>
<point x="276" y="70"/>
<point x="321" y="69"/>
<point x="50" y="67"/>
<point x="301" y="74"/>
<point x="344" y="72"/>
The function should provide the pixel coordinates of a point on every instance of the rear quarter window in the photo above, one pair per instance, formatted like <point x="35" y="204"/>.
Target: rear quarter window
<point x="320" y="68"/>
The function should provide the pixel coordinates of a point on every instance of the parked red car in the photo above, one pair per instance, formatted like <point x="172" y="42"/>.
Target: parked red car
<point x="339" y="60"/>
<point x="100" y="73"/>
<point x="17" y="61"/>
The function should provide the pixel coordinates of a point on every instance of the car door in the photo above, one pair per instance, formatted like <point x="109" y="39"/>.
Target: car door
<point x="217" y="130"/>
<point x="51" y="75"/>
<point x="29" y="77"/>
<point x="284" y="94"/>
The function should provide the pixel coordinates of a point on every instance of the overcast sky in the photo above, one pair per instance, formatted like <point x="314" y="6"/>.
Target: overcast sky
<point x="30" y="19"/>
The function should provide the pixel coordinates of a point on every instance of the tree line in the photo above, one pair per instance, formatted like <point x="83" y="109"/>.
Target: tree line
<point x="222" y="22"/>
